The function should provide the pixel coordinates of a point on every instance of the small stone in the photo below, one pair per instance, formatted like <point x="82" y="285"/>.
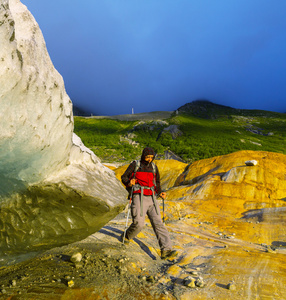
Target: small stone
<point x="270" y="249"/>
<point x="194" y="272"/>
<point x="70" y="283"/>
<point x="3" y="291"/>
<point x="151" y="279"/>
<point x="78" y="265"/>
<point x="13" y="283"/>
<point x="123" y="269"/>
<point x="200" y="283"/>
<point x="190" y="282"/>
<point x="76" y="257"/>
<point x="251" y="162"/>
<point x="231" y="286"/>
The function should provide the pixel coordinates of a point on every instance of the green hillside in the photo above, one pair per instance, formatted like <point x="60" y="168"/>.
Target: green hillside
<point x="197" y="130"/>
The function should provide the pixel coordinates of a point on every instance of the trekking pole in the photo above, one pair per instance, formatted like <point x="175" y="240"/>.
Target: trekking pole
<point x="129" y="208"/>
<point x="163" y="210"/>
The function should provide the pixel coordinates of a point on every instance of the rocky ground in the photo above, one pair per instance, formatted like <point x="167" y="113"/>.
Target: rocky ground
<point x="226" y="220"/>
<point x="210" y="265"/>
<point x="99" y="267"/>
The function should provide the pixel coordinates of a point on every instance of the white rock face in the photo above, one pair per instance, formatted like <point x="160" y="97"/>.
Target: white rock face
<point x="35" y="113"/>
<point x="53" y="190"/>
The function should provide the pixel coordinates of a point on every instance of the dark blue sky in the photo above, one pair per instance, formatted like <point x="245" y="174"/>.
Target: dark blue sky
<point x="115" y="55"/>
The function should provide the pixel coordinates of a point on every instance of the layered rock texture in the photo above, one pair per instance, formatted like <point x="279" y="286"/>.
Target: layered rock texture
<point x="227" y="220"/>
<point x="53" y="190"/>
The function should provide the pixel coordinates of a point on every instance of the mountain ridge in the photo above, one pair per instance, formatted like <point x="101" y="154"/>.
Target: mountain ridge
<point x="194" y="107"/>
<point x="196" y="130"/>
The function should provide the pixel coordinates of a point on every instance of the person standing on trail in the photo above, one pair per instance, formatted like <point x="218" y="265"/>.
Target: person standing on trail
<point x="142" y="179"/>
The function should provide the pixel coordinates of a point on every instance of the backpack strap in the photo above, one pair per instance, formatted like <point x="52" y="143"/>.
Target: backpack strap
<point x="137" y="166"/>
<point x="154" y="172"/>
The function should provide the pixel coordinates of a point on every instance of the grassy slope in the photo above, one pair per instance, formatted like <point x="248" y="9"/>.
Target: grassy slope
<point x="208" y="131"/>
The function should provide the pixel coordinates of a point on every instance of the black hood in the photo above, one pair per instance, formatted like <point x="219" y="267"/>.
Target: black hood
<point x="147" y="151"/>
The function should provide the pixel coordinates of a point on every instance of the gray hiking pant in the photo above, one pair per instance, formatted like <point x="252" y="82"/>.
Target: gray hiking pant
<point x="138" y="221"/>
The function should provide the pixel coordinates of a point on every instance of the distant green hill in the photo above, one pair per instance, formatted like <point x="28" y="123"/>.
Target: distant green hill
<point x="197" y="130"/>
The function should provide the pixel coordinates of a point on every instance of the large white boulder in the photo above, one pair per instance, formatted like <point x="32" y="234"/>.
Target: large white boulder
<point x="53" y="190"/>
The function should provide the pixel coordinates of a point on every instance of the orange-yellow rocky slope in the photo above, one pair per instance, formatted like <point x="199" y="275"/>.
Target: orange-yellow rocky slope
<point x="227" y="221"/>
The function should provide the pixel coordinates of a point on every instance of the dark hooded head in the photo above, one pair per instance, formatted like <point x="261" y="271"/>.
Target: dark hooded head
<point x="147" y="151"/>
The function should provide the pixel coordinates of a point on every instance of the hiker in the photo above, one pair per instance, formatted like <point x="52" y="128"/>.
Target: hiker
<point x="142" y="179"/>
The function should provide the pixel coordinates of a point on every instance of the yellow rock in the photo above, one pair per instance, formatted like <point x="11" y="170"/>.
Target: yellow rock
<point x="169" y="170"/>
<point x="119" y="171"/>
<point x="141" y="235"/>
<point x="110" y="167"/>
<point x="229" y="176"/>
<point x="70" y="283"/>
<point x="226" y="192"/>
<point x="174" y="270"/>
<point x="231" y="218"/>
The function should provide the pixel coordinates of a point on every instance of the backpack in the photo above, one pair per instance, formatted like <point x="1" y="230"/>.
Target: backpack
<point x="138" y="166"/>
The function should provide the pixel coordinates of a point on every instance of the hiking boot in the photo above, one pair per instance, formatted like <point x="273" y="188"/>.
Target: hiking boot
<point x="165" y="254"/>
<point x="126" y="241"/>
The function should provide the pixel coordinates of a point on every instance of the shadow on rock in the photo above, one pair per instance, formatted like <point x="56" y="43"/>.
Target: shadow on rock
<point x="108" y="230"/>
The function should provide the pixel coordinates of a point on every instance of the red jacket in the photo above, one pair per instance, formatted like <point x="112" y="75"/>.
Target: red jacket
<point x="144" y="177"/>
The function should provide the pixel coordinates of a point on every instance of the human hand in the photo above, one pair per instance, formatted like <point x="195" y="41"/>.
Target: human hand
<point x="132" y="182"/>
<point x="163" y="195"/>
